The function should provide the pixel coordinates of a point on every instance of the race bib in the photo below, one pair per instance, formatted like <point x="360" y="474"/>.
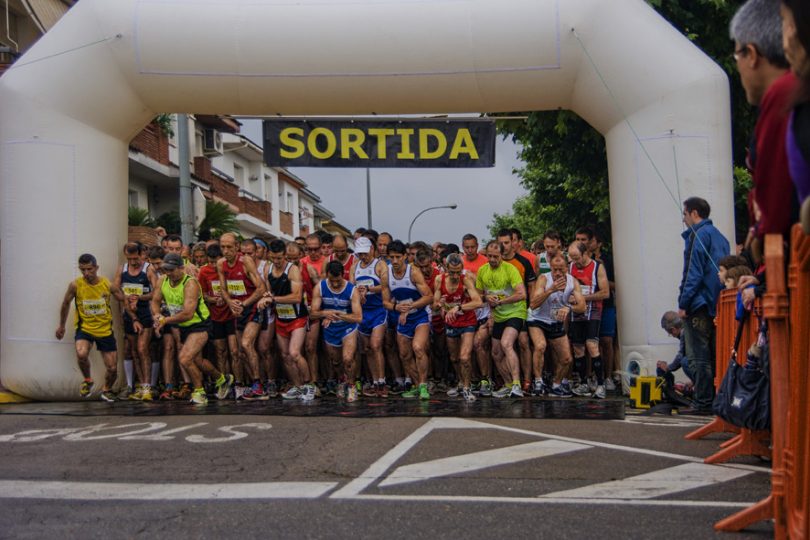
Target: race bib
<point x="365" y="282"/>
<point x="174" y="309"/>
<point x="132" y="289"/>
<point x="216" y="288"/>
<point x="94" y="307"/>
<point x="586" y="290"/>
<point x="236" y="288"/>
<point x="285" y="311"/>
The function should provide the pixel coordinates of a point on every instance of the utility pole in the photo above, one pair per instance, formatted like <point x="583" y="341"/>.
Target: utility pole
<point x="368" y="196"/>
<point x="186" y="208"/>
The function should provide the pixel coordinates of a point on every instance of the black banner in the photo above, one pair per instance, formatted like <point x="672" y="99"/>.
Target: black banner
<point x="379" y="143"/>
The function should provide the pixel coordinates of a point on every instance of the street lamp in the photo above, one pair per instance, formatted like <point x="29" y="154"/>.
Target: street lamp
<point x="450" y="206"/>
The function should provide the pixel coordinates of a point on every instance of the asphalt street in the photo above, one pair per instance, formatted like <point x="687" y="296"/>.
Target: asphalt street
<point x="227" y="475"/>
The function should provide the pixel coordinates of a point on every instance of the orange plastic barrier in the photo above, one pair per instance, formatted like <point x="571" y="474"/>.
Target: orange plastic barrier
<point x="789" y="332"/>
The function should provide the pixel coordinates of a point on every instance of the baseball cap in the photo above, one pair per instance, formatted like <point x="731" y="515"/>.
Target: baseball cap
<point x="172" y="261"/>
<point x="362" y="245"/>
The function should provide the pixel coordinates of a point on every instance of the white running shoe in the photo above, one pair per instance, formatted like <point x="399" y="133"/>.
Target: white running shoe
<point x="600" y="392"/>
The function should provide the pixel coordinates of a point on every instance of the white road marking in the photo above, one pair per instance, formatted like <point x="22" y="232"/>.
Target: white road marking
<point x="478" y="460"/>
<point x="654" y="484"/>
<point x="102" y="491"/>
<point x="234" y="434"/>
<point x="377" y="470"/>
<point x="144" y="431"/>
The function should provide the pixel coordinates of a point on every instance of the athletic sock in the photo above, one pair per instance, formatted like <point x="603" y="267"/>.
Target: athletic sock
<point x="580" y="366"/>
<point x="128" y="371"/>
<point x="400" y="380"/>
<point x="155" y="373"/>
<point x="598" y="369"/>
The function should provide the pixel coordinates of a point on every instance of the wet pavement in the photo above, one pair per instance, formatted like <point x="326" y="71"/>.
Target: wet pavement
<point x="528" y="408"/>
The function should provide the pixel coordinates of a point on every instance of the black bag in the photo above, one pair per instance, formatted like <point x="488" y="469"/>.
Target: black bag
<point x="744" y="396"/>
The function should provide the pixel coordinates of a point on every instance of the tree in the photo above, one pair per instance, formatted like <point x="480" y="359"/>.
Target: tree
<point x="566" y="165"/>
<point x="170" y="221"/>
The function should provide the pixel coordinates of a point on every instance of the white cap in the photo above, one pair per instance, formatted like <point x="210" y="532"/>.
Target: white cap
<point x="362" y="245"/>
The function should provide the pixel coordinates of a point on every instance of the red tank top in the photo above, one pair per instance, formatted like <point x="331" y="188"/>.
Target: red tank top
<point x="347" y="266"/>
<point x="458" y="297"/>
<point x="589" y="283"/>
<point x="306" y="279"/>
<point x="240" y="286"/>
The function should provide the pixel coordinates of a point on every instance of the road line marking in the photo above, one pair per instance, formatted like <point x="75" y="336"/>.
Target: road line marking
<point x="478" y="460"/>
<point x="539" y="500"/>
<point x="102" y="491"/>
<point x="654" y="484"/>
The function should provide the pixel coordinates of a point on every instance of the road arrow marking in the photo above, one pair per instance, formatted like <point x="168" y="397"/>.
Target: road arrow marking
<point x="478" y="460"/>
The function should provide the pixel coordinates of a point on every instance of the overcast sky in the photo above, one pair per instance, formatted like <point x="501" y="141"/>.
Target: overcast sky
<point x="398" y="195"/>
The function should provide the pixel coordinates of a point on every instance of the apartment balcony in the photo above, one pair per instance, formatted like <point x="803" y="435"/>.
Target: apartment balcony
<point x="153" y="143"/>
<point x="286" y="223"/>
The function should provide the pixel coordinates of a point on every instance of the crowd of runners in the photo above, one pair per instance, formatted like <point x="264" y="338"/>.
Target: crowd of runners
<point x="249" y="319"/>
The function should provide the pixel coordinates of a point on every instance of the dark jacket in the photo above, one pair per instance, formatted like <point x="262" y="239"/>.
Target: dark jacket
<point x="700" y="285"/>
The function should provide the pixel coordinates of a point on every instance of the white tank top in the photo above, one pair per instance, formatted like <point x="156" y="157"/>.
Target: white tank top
<point x="547" y="312"/>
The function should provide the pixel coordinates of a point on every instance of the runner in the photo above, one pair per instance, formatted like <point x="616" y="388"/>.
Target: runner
<point x="502" y="287"/>
<point x="267" y="331"/>
<point x="437" y="367"/>
<point x="607" y="327"/>
<point x="456" y="293"/>
<point x="137" y="280"/>
<point x="223" y="321"/>
<point x="526" y="270"/>
<point x="243" y="290"/>
<point x="340" y="253"/>
<point x="188" y="311"/>
<point x="370" y="275"/>
<point x="382" y="245"/>
<point x="286" y="298"/>
<point x="312" y="270"/>
<point x="91" y="295"/>
<point x="338" y="304"/>
<point x="408" y="294"/>
<point x="584" y="328"/>
<point x="552" y="245"/>
<point x="174" y="244"/>
<point x="473" y="261"/>
<point x="555" y="297"/>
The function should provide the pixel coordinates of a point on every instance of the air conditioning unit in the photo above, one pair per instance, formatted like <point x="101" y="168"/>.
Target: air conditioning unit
<point x="212" y="142"/>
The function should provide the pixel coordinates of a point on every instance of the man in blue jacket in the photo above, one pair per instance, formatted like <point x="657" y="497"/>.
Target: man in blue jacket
<point x="699" y="292"/>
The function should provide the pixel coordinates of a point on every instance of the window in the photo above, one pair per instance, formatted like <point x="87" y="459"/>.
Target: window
<point x="239" y="174"/>
<point x="133" y="199"/>
<point x="289" y="202"/>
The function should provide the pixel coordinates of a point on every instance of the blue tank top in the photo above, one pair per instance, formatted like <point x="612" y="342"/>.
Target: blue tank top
<point x="140" y="285"/>
<point x="368" y="277"/>
<point x="403" y="290"/>
<point x="338" y="301"/>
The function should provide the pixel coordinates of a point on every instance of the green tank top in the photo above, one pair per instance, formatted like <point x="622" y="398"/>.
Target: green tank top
<point x="174" y="297"/>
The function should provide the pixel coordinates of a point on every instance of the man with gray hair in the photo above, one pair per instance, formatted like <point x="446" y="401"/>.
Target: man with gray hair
<point x="672" y="324"/>
<point x="769" y="85"/>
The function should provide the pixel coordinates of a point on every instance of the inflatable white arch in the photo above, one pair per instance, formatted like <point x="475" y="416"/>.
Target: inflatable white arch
<point x="70" y="105"/>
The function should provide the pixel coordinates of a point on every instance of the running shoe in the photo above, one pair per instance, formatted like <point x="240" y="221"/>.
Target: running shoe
<point x="239" y="392"/>
<point x="86" y="387"/>
<point x="166" y="395"/>
<point x="224" y="387"/>
<point x="198" y="397"/>
<point x="539" y="388"/>
<point x="582" y="390"/>
<point x="271" y="388"/>
<point x="431" y="386"/>
<point x="125" y="392"/>
<point x="293" y="393"/>
<point x="424" y="393"/>
<point x="561" y="391"/>
<point x="137" y="395"/>
<point x="146" y="394"/>
<point x="516" y="391"/>
<point x="485" y="389"/>
<point x="317" y="388"/>
<point x="527" y="386"/>
<point x="108" y="396"/>
<point x="600" y="392"/>
<point x="467" y="394"/>
<point x="452" y="392"/>
<point x="502" y="392"/>
<point x="610" y="386"/>
<point x="441" y="386"/>
<point x="592" y="384"/>
<point x="382" y="391"/>
<point x="308" y="393"/>
<point x="256" y="393"/>
<point x="397" y="389"/>
<point x="184" y="392"/>
<point x="352" y="394"/>
<point x="331" y="387"/>
<point x="411" y="393"/>
<point x="370" y="390"/>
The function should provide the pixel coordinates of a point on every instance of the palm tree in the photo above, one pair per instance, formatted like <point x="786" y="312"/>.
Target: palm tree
<point x="219" y="218"/>
<point x="139" y="217"/>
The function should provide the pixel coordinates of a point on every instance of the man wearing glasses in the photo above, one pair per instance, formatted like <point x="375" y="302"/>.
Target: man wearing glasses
<point x="312" y="270"/>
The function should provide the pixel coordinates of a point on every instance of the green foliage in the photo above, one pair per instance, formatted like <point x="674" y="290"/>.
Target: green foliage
<point x="170" y="221"/>
<point x="219" y="219"/>
<point x="164" y="122"/>
<point x="139" y="217"/>
<point x="566" y="164"/>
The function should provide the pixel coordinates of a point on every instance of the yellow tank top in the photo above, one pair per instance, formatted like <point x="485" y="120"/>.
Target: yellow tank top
<point x="94" y="315"/>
